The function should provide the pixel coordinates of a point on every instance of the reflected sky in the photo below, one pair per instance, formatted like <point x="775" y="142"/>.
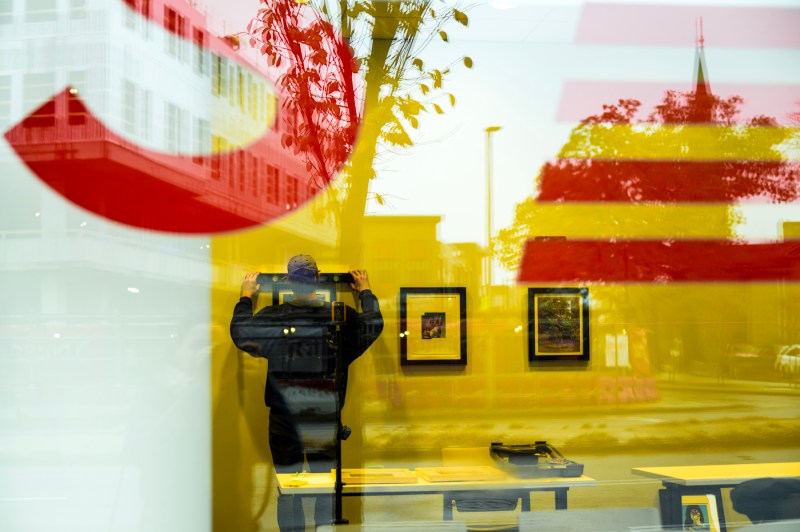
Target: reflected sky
<point x="537" y="75"/>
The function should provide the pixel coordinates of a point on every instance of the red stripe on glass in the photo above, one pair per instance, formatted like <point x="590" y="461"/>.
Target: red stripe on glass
<point x="655" y="181"/>
<point x="582" y="98"/>
<point x="554" y="260"/>
<point x="71" y="150"/>
<point x="673" y="25"/>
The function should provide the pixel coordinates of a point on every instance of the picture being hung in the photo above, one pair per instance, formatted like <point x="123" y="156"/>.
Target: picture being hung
<point x="558" y="324"/>
<point x="276" y="289"/>
<point x="433" y="326"/>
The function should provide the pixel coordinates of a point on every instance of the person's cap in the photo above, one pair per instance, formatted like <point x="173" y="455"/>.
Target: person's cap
<point x="302" y="268"/>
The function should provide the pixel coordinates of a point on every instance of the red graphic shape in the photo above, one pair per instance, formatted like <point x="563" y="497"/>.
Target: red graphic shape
<point x="71" y="150"/>
<point x="658" y="261"/>
<point x="649" y="181"/>
<point x="665" y="25"/>
<point x="582" y="98"/>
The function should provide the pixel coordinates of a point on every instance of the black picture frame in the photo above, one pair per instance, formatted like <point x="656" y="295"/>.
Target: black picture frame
<point x="433" y="326"/>
<point x="558" y="324"/>
<point x="275" y="286"/>
<point x="281" y="290"/>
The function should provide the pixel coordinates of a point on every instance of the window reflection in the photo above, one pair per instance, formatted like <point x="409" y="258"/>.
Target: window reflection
<point x="627" y="175"/>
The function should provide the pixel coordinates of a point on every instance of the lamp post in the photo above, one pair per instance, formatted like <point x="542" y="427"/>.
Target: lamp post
<point x="489" y="130"/>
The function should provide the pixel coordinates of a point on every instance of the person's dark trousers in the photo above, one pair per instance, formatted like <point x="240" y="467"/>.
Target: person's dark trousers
<point x="288" y="451"/>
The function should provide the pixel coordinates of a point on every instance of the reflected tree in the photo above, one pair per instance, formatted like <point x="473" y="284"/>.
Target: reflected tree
<point x="689" y="150"/>
<point x="320" y="78"/>
<point x="677" y="173"/>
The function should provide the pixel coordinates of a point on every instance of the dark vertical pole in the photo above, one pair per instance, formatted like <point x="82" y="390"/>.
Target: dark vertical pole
<point x="338" y="319"/>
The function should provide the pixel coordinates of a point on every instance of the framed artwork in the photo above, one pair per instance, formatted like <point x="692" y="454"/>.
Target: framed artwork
<point x="558" y="324"/>
<point x="282" y="293"/>
<point x="275" y="288"/>
<point x="699" y="512"/>
<point x="433" y="326"/>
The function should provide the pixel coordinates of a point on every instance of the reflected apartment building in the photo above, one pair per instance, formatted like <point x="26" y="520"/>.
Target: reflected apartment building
<point x="120" y="106"/>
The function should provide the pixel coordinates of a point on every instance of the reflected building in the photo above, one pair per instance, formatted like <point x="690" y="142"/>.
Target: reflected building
<point x="125" y="108"/>
<point x="190" y="112"/>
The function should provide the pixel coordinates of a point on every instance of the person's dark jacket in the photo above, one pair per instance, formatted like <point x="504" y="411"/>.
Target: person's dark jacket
<point x="293" y="338"/>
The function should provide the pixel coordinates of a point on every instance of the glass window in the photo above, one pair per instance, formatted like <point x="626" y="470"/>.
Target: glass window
<point x="77" y="9"/>
<point x="129" y="107"/>
<point x="176" y="28"/>
<point x="38" y="88"/>
<point x="40" y="10"/>
<point x="273" y="185"/>
<point x="76" y="110"/>
<point x="217" y="144"/>
<point x="6" y="11"/>
<point x="202" y="140"/>
<point x="200" y="53"/>
<point x="5" y="99"/>
<point x="292" y="191"/>
<point x="175" y="128"/>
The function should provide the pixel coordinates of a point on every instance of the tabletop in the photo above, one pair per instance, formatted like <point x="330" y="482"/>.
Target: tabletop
<point x="319" y="483"/>
<point x="723" y="474"/>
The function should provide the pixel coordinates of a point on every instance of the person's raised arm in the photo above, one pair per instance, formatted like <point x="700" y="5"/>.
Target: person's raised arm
<point x="244" y="332"/>
<point x="249" y="285"/>
<point x="370" y="319"/>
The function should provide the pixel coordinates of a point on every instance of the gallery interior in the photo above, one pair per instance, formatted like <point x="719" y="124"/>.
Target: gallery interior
<point x="579" y="219"/>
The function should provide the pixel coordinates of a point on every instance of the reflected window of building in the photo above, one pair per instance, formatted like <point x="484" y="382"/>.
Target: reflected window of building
<point x="200" y="55"/>
<point x="39" y="87"/>
<point x="6" y="11"/>
<point x="253" y="93"/>
<point x="260" y="170"/>
<point x="131" y="20"/>
<point x="242" y="86"/>
<point x="130" y="16"/>
<point x="40" y="10"/>
<point x="129" y="107"/>
<point x="176" y="25"/>
<point x="216" y="147"/>
<point x="292" y="191"/>
<point x="253" y="173"/>
<point x="273" y="184"/>
<point x="219" y="79"/>
<point x="145" y="104"/>
<point x="146" y="11"/>
<point x="240" y="169"/>
<point x="136" y="105"/>
<point x="77" y="9"/>
<point x="232" y="78"/>
<point x="175" y="127"/>
<point x="5" y="99"/>
<point x="202" y="139"/>
<point x="76" y="111"/>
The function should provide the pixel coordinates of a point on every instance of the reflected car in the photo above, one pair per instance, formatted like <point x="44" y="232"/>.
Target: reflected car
<point x="787" y="361"/>
<point x="746" y="361"/>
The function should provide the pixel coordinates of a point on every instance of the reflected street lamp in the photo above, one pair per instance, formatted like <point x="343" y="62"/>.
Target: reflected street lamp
<point x="489" y="130"/>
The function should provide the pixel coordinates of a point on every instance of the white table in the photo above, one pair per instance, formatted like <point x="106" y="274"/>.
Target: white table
<point x="505" y="487"/>
<point x="707" y="479"/>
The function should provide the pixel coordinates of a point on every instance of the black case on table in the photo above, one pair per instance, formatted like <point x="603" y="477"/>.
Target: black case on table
<point x="536" y="460"/>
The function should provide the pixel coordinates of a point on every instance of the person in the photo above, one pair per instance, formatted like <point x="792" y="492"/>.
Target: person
<point x="694" y="519"/>
<point x="295" y="338"/>
<point x="770" y="503"/>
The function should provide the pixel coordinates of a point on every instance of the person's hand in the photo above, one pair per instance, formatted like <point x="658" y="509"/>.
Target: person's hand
<point x="249" y="284"/>
<point x="360" y="280"/>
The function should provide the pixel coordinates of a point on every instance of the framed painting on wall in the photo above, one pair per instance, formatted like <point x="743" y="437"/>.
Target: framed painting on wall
<point x="558" y="324"/>
<point x="433" y="326"/>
